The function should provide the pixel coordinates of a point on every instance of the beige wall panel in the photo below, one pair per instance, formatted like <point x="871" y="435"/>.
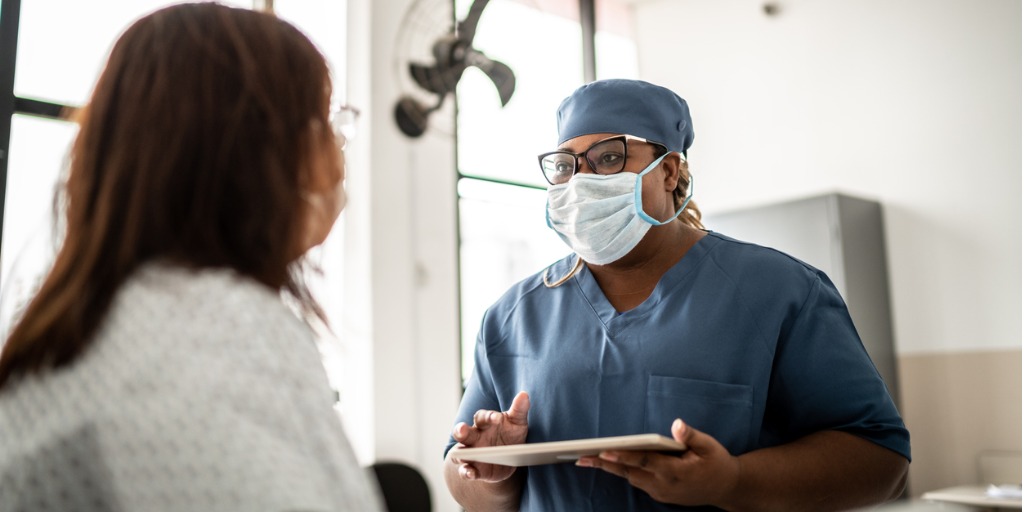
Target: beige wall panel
<point x="964" y="415"/>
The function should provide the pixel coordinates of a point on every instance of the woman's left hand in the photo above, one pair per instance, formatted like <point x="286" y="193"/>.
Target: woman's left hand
<point x="704" y="474"/>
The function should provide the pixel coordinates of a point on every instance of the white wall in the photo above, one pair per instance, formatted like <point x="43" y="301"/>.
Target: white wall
<point x="914" y="103"/>
<point x="401" y="327"/>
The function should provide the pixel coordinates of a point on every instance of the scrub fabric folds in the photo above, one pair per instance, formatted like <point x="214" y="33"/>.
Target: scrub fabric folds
<point x="742" y="342"/>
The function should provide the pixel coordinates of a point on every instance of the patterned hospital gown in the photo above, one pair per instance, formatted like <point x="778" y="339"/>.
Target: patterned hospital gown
<point x="201" y="392"/>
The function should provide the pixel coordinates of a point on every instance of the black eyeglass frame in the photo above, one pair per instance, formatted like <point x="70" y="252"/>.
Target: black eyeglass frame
<point x="576" y="156"/>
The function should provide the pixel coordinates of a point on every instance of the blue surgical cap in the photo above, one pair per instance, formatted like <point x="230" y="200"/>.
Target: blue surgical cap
<point x="632" y="107"/>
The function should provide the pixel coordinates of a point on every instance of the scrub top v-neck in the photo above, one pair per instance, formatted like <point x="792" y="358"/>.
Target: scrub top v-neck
<point x="744" y="343"/>
<point x="604" y="309"/>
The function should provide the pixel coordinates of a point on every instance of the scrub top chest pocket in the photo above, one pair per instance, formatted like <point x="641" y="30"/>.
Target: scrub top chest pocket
<point x="719" y="409"/>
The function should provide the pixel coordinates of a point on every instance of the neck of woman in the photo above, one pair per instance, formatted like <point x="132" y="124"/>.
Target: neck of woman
<point x="628" y="282"/>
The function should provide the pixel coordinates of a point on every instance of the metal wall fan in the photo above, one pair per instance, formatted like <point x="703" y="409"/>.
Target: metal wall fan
<point x="451" y="54"/>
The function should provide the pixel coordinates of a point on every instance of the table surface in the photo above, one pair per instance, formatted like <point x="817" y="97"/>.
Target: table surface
<point x="972" y="495"/>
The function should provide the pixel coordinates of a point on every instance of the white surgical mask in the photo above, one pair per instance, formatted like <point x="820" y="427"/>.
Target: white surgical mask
<point x="602" y="217"/>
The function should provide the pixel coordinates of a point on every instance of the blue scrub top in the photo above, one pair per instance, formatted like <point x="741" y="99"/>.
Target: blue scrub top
<point x="744" y="343"/>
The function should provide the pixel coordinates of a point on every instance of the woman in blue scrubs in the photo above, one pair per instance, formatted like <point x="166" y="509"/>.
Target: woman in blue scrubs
<point x="744" y="354"/>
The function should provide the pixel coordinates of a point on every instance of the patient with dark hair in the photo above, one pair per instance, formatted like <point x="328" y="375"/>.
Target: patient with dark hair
<point x="159" y="367"/>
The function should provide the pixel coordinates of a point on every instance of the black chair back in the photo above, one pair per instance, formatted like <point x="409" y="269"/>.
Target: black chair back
<point x="403" y="487"/>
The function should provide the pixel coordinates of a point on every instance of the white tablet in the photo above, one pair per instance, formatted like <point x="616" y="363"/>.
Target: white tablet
<point x="532" y="454"/>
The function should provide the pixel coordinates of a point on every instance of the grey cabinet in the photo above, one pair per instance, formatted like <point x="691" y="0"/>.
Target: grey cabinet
<point x="842" y="236"/>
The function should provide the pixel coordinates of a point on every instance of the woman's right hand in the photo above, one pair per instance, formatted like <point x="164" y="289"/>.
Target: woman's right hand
<point x="492" y="428"/>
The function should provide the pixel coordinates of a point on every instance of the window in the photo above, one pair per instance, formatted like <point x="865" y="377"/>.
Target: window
<point x="503" y="234"/>
<point x="38" y="149"/>
<point x="324" y="22"/>
<point x="60" y="56"/>
<point x="57" y="62"/>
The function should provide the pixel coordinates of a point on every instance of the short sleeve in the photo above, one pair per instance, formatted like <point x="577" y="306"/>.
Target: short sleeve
<point x="480" y="392"/>
<point x="823" y="378"/>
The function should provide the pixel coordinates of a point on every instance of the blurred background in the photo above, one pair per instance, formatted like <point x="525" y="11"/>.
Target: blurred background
<point x="913" y="106"/>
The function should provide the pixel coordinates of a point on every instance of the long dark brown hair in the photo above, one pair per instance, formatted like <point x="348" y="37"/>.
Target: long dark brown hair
<point x="194" y="149"/>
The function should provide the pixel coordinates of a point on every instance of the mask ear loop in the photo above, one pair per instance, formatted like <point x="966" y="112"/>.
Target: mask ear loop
<point x="638" y="201"/>
<point x="575" y="268"/>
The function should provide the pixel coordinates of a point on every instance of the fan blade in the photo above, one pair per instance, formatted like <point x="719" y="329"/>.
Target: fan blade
<point x="504" y="79"/>
<point x="499" y="73"/>
<point x="437" y="79"/>
<point x="466" y="28"/>
<point x="428" y="77"/>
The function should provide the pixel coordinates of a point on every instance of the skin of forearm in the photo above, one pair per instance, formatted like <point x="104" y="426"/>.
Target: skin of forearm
<point x="824" y="471"/>
<point x="479" y="496"/>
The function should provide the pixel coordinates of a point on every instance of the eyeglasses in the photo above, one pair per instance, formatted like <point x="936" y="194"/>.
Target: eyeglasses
<point x="343" y="121"/>
<point x="607" y="156"/>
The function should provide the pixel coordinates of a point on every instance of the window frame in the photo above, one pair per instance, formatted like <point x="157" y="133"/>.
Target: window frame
<point x="588" y="25"/>
<point x="11" y="104"/>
